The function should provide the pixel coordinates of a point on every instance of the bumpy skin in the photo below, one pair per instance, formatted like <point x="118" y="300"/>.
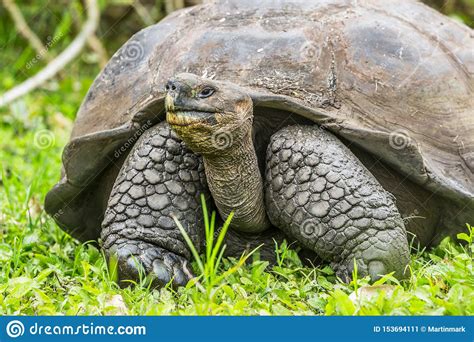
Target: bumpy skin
<point x="319" y="193"/>
<point x="160" y="177"/>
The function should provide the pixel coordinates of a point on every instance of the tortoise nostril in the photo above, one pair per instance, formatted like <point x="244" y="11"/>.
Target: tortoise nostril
<point x="171" y="85"/>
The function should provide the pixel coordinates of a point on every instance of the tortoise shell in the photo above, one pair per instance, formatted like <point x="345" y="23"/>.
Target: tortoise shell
<point x="393" y="77"/>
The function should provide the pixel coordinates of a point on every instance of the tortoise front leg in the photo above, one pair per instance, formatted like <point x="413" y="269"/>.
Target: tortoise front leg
<point x="319" y="193"/>
<point x="160" y="177"/>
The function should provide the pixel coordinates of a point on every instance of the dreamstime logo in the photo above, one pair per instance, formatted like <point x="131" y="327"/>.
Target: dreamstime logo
<point x="44" y="139"/>
<point x="133" y="51"/>
<point x="399" y="139"/>
<point x="15" y="329"/>
<point x="58" y="215"/>
<point x="44" y="51"/>
<point x="128" y="56"/>
<point x="311" y="228"/>
<point x="222" y="139"/>
<point x="131" y="141"/>
<point x="221" y="51"/>
<point x="308" y="51"/>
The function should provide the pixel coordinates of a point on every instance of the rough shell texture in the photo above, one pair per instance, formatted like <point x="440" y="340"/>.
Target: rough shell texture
<point x="394" y="77"/>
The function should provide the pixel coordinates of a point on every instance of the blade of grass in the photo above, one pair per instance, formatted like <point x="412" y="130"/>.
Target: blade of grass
<point x="190" y="244"/>
<point x="221" y="236"/>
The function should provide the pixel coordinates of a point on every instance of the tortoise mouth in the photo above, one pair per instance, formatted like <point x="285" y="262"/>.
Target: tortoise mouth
<point x="190" y="117"/>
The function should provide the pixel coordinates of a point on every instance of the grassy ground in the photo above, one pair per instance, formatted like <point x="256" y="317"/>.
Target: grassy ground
<point x="44" y="271"/>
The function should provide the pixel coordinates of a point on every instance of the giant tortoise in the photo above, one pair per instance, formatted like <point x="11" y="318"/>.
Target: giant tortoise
<point x="343" y="126"/>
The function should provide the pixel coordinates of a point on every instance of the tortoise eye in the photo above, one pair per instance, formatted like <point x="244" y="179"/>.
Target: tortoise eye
<point x="206" y="92"/>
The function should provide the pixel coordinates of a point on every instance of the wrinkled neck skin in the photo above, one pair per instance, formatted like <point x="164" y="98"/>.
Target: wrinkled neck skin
<point x="235" y="182"/>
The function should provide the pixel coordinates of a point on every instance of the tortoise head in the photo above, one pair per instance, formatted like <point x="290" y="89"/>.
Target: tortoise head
<point x="209" y="116"/>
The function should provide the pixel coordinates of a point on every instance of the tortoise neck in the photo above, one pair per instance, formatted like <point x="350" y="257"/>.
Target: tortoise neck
<point x="235" y="183"/>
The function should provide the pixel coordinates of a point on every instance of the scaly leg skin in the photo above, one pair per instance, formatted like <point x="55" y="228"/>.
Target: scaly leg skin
<point x="160" y="177"/>
<point x="319" y="193"/>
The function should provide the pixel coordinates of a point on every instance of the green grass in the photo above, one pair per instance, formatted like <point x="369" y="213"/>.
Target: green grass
<point x="44" y="271"/>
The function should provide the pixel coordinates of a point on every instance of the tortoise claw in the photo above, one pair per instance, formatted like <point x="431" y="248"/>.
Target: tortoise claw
<point x="147" y="263"/>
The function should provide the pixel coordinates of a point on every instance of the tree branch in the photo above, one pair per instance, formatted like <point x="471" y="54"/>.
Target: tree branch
<point x="96" y="45"/>
<point x="142" y="13"/>
<point x="60" y="61"/>
<point x="24" y="29"/>
<point x="173" y="5"/>
<point x="93" y="41"/>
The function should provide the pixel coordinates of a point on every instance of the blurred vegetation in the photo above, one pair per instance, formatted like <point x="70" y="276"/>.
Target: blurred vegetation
<point x="462" y="10"/>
